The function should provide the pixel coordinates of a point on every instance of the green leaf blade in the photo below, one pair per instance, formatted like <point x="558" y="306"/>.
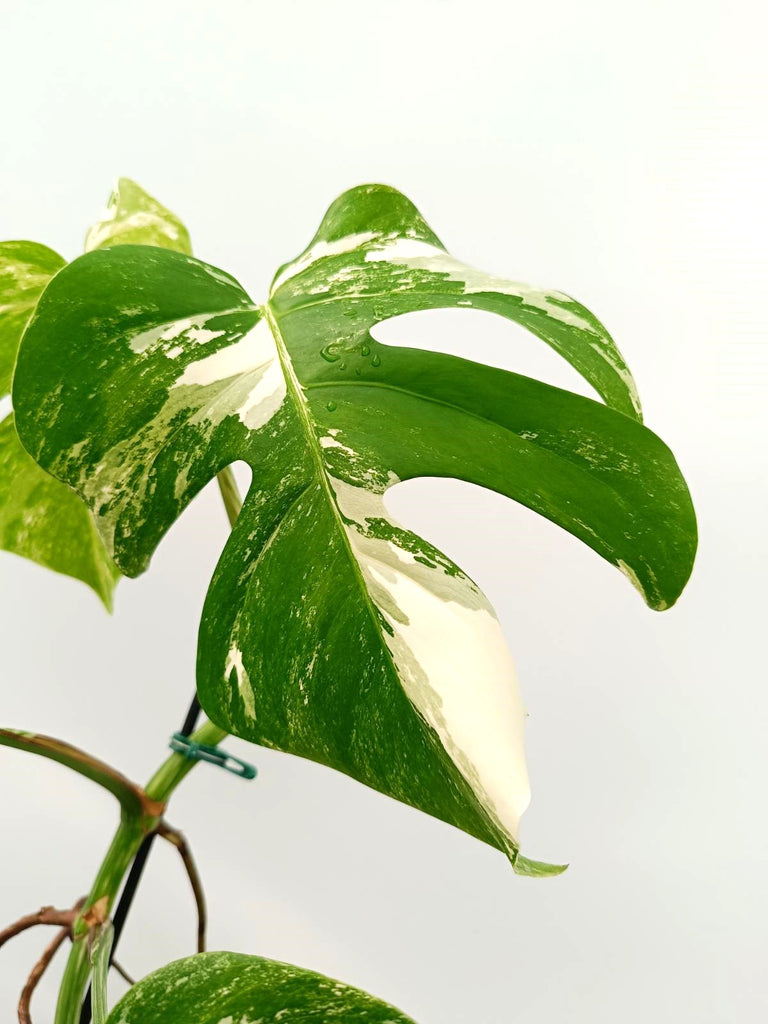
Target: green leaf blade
<point x="210" y="988"/>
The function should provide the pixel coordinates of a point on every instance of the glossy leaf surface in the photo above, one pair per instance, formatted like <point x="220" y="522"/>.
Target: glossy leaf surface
<point x="213" y="988"/>
<point x="329" y="630"/>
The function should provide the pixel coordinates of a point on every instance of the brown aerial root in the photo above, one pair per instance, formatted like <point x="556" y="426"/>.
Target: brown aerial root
<point x="36" y="974"/>
<point x="45" y="915"/>
<point x="176" y="838"/>
<point x="65" y="919"/>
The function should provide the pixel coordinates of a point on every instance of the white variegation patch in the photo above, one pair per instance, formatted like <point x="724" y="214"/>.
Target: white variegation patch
<point x="190" y="329"/>
<point x="235" y="663"/>
<point x="634" y="579"/>
<point x="242" y="379"/>
<point x="320" y="251"/>
<point x="420" y="256"/>
<point x="258" y="379"/>
<point x="254" y="350"/>
<point x="451" y="656"/>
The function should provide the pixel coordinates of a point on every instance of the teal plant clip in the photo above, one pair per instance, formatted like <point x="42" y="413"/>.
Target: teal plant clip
<point x="183" y="745"/>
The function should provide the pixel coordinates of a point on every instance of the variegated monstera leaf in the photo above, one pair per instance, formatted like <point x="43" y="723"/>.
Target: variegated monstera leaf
<point x="329" y="630"/>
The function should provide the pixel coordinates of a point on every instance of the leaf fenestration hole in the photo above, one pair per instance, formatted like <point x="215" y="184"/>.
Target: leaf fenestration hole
<point x="243" y="476"/>
<point x="482" y="337"/>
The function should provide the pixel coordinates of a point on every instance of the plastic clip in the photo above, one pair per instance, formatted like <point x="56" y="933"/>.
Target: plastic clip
<point x="183" y="745"/>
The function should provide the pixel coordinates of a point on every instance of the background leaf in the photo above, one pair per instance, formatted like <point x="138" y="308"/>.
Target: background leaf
<point x="210" y="988"/>
<point x="133" y="217"/>
<point x="40" y="518"/>
<point x="45" y="521"/>
<point x="25" y="270"/>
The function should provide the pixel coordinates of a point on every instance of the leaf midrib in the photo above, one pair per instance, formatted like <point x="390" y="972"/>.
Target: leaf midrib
<point x="295" y="389"/>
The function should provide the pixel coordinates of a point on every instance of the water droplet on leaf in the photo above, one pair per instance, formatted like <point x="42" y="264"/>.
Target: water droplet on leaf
<point x="366" y="350"/>
<point x="376" y="361"/>
<point x="331" y="407"/>
<point x="329" y="353"/>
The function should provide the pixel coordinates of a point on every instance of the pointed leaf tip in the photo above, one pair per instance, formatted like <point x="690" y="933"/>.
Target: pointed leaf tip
<point x="536" y="868"/>
<point x="134" y="217"/>
<point x="374" y="209"/>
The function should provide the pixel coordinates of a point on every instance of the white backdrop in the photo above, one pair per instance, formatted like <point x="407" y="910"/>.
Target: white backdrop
<point x="614" y="151"/>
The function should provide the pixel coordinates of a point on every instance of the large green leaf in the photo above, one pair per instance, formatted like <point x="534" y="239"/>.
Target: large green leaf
<point x="40" y="518"/>
<point x="329" y="630"/>
<point x="214" y="988"/>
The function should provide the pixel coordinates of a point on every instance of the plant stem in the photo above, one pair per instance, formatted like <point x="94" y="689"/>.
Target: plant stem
<point x="130" y="796"/>
<point x="133" y="831"/>
<point x="176" y="768"/>
<point x="124" y="847"/>
<point x="100" y="956"/>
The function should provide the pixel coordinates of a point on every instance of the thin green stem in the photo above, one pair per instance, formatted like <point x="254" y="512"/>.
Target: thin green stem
<point x="100" y="950"/>
<point x="177" y="767"/>
<point x="230" y="494"/>
<point x="119" y="856"/>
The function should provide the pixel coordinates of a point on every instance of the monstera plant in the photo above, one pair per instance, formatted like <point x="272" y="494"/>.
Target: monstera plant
<point x="329" y="630"/>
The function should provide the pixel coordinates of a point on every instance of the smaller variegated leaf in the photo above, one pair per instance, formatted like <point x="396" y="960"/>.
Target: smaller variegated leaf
<point x="233" y="988"/>
<point x="25" y="270"/>
<point x="40" y="518"/>
<point x="133" y="217"/>
<point x="45" y="521"/>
